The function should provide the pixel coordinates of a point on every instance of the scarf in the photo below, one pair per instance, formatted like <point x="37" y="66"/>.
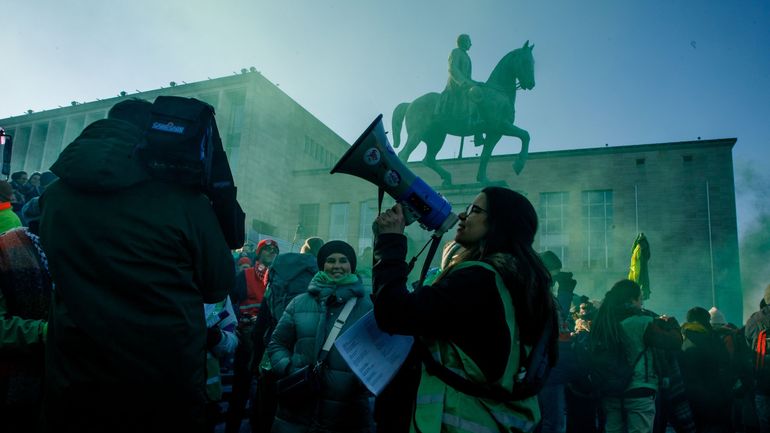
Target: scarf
<point x="324" y="285"/>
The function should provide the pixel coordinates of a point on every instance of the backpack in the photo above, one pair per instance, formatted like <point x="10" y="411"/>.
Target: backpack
<point x="534" y="371"/>
<point x="290" y="275"/>
<point x="762" y="360"/>
<point x="609" y="371"/>
<point x="182" y="145"/>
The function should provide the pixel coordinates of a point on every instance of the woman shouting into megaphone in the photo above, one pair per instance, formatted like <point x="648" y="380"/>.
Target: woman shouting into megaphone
<point x="474" y="326"/>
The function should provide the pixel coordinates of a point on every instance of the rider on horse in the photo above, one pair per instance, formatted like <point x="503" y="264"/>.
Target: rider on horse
<point x="454" y="105"/>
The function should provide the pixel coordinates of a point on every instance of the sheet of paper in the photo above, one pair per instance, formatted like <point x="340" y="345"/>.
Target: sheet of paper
<point x="373" y="355"/>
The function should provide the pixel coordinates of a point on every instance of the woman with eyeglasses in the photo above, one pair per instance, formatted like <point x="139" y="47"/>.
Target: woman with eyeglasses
<point x="492" y="298"/>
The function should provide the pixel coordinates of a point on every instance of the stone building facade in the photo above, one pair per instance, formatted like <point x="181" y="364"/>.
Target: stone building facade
<point x="591" y="202"/>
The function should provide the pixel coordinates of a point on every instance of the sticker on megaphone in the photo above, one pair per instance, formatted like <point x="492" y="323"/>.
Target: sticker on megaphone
<point x="373" y="159"/>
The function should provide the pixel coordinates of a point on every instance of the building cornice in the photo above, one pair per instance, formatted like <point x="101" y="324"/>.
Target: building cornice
<point x="592" y="151"/>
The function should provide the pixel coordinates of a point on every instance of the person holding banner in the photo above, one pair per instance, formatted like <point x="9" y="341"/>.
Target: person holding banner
<point x="493" y="297"/>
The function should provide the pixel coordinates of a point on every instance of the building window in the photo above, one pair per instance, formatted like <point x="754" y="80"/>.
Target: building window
<point x="318" y="152"/>
<point x="367" y="214"/>
<point x="597" y="227"/>
<point x="553" y="223"/>
<point x="308" y="220"/>
<point x="338" y="221"/>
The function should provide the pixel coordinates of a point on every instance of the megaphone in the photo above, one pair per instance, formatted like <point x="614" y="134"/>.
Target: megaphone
<point x="372" y="158"/>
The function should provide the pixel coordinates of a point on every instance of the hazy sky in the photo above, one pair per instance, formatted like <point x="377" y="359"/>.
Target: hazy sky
<point x="608" y="72"/>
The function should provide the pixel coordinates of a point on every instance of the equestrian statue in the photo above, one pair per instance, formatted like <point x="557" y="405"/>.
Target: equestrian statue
<point x="468" y="108"/>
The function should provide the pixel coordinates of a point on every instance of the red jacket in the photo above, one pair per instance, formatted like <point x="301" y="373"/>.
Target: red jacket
<point x="256" y="283"/>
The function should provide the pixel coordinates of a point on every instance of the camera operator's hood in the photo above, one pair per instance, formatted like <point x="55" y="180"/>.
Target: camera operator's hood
<point x="102" y="158"/>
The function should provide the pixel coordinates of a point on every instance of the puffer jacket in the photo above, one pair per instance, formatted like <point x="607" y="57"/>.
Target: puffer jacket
<point x="343" y="402"/>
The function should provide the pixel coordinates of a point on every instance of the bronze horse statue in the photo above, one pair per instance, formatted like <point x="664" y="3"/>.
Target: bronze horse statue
<point x="494" y="101"/>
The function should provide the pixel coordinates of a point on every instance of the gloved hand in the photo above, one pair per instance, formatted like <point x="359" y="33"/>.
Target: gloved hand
<point x="213" y="337"/>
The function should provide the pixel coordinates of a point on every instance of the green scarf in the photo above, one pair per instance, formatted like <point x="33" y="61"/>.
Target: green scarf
<point x="326" y="279"/>
<point x="324" y="286"/>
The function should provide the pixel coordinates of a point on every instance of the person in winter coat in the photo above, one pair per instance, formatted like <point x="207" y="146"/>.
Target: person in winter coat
<point x="492" y="299"/>
<point x="221" y="342"/>
<point x="134" y="260"/>
<point x="342" y="402"/>
<point x="290" y="275"/>
<point x="25" y="297"/>
<point x="757" y="333"/>
<point x="707" y="372"/>
<point x="247" y="296"/>
<point x="621" y="324"/>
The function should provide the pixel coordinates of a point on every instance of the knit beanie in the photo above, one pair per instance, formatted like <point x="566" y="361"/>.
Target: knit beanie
<point x="332" y="247"/>
<point x="6" y="191"/>
<point x="265" y="242"/>
<point x="717" y="318"/>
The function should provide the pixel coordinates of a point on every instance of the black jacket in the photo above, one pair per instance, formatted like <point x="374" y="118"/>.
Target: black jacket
<point x="463" y="306"/>
<point x="133" y="260"/>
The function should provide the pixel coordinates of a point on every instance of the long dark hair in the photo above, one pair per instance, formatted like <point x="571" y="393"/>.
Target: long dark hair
<point x="616" y="306"/>
<point x="511" y="224"/>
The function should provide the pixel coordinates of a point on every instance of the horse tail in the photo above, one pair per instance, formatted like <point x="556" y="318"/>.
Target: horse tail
<point x="398" y="118"/>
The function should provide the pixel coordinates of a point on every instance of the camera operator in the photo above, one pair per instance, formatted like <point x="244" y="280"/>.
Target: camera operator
<point x="134" y="260"/>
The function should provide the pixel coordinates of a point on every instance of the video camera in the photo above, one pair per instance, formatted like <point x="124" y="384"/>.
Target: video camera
<point x="183" y="146"/>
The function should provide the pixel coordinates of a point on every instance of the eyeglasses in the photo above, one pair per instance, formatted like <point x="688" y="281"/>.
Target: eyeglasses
<point x="472" y="208"/>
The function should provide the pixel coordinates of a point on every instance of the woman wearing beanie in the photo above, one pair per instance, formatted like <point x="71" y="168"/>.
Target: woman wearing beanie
<point x="341" y="403"/>
<point x="489" y="304"/>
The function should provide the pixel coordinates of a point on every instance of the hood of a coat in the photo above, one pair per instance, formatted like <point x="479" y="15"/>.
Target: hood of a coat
<point x="696" y="334"/>
<point x="694" y="327"/>
<point x="102" y="158"/>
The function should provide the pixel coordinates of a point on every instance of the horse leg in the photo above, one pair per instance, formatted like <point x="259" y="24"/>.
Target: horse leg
<point x="514" y="131"/>
<point x="486" y="153"/>
<point x="434" y="145"/>
<point x="412" y="141"/>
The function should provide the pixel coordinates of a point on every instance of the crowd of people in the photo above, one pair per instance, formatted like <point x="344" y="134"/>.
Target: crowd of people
<point x="121" y="304"/>
<point x="21" y="195"/>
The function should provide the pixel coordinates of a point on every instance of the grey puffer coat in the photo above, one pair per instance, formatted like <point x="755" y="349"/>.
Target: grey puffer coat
<point x="342" y="404"/>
